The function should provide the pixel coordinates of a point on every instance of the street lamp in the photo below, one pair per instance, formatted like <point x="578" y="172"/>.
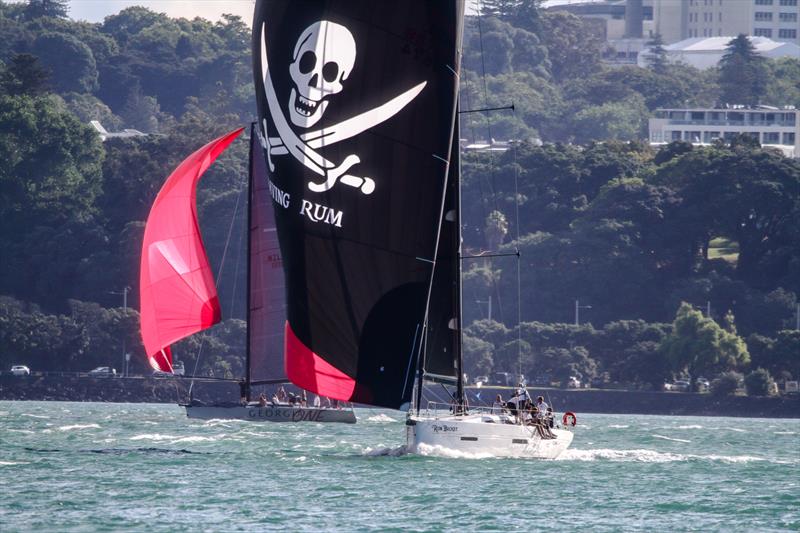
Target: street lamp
<point x="489" y="301"/>
<point x="125" y="357"/>
<point x="578" y="308"/>
<point x="707" y="309"/>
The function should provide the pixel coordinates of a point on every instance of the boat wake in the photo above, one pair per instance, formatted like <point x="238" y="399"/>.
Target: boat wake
<point x="427" y="450"/>
<point x="381" y="419"/>
<point x="652" y="456"/>
<point x="386" y="452"/>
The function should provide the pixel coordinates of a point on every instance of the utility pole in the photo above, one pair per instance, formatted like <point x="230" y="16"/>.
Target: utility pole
<point x="125" y="359"/>
<point x="578" y="308"/>
<point x="797" y="318"/>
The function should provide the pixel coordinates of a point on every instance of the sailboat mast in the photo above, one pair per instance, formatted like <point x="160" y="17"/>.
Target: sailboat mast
<point x="249" y="265"/>
<point x="459" y="303"/>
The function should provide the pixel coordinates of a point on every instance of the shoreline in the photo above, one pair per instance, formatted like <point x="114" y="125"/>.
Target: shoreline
<point x="173" y="390"/>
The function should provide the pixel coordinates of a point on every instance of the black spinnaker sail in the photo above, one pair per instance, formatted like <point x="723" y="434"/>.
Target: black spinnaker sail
<point x="357" y="106"/>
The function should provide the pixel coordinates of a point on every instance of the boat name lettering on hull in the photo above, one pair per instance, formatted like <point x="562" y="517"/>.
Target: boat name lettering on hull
<point x="294" y="415"/>
<point x="444" y="428"/>
<point x="280" y="197"/>
<point x="321" y="213"/>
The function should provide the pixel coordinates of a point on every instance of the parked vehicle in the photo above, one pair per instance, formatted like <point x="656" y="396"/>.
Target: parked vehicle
<point x="503" y="378"/>
<point x="573" y="383"/>
<point x="480" y="380"/>
<point x="681" y="385"/>
<point x="103" y="372"/>
<point x="178" y="369"/>
<point x="20" y="370"/>
<point x="702" y="384"/>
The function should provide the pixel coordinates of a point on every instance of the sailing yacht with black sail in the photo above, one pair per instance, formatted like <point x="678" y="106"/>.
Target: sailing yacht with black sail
<point x="357" y="106"/>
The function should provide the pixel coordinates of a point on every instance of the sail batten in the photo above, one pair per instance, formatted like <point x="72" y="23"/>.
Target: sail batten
<point x="178" y="296"/>
<point x="356" y="105"/>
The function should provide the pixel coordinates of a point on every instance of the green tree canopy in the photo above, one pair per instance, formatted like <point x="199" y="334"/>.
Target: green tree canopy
<point x="699" y="346"/>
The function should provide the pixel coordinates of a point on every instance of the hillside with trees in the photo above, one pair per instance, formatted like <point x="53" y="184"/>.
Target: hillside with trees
<point x="650" y="239"/>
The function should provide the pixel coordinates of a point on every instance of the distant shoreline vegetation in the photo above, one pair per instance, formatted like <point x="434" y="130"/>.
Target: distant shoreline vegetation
<point x="682" y="262"/>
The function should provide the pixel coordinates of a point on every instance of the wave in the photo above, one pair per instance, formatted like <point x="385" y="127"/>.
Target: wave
<point x="154" y="436"/>
<point x="651" y="456"/>
<point x="78" y="426"/>
<point x="13" y="463"/>
<point x="381" y="418"/>
<point x="386" y="452"/>
<point x="690" y="426"/>
<point x="618" y="426"/>
<point x="198" y="438"/>
<point x="36" y="416"/>
<point x="784" y="433"/>
<point x="669" y="438"/>
<point x="440" y="451"/>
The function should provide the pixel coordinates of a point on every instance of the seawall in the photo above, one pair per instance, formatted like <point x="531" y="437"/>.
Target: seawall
<point x="174" y="390"/>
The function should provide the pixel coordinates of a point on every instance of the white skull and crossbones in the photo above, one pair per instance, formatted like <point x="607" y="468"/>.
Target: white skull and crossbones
<point x="323" y="58"/>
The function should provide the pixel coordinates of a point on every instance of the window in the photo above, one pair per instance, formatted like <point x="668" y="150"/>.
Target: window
<point x="762" y="32"/>
<point x="763" y="2"/>
<point x="788" y="138"/>
<point x="698" y="115"/>
<point x="787" y="34"/>
<point x="736" y="116"/>
<point x="788" y="17"/>
<point x="710" y="136"/>
<point x="789" y="119"/>
<point x="763" y="16"/>
<point x="788" y="2"/>
<point x="676" y="136"/>
<point x="729" y="135"/>
<point x="771" y="137"/>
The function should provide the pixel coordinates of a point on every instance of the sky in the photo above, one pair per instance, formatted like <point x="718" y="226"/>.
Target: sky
<point x="97" y="10"/>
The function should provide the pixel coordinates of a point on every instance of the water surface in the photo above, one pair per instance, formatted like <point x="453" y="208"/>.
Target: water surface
<point x="146" y="467"/>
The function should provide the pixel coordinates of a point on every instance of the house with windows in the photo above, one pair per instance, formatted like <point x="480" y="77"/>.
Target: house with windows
<point x="771" y="126"/>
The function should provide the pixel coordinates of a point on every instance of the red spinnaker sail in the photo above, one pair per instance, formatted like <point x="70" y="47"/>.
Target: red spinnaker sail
<point x="178" y="296"/>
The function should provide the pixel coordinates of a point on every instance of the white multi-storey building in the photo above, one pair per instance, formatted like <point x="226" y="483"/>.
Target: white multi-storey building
<point x="773" y="127"/>
<point x="676" y="20"/>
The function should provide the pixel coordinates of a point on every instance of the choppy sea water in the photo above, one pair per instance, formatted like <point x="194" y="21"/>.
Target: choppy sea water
<point x="145" y="467"/>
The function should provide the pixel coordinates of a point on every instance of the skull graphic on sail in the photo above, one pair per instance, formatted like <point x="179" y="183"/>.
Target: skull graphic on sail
<point x="323" y="58"/>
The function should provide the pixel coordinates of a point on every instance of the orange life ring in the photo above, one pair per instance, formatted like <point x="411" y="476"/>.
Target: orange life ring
<point x="567" y="416"/>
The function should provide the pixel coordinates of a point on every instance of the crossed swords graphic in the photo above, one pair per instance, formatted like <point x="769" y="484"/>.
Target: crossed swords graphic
<point x="304" y="147"/>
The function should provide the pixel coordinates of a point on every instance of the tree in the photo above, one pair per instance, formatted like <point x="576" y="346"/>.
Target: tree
<point x="759" y="383"/>
<point x="657" y="55"/>
<point x="726" y="384"/>
<point x="573" y="50"/>
<point x="71" y="62"/>
<point x="699" y="346"/>
<point x="25" y="75"/>
<point x="743" y="73"/>
<point x="495" y="229"/>
<point x="46" y="8"/>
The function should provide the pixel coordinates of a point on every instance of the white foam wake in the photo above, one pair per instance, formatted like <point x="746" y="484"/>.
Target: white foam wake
<point x="669" y="438"/>
<point x="649" y="456"/>
<point x="381" y="418"/>
<point x="428" y="450"/>
<point x="386" y="452"/>
<point x="78" y="426"/>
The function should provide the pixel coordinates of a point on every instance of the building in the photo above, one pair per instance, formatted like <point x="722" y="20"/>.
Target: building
<point x="772" y="127"/>
<point x="706" y="52"/>
<point x="626" y="25"/>
<point x="124" y="134"/>
<point x="677" y="20"/>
